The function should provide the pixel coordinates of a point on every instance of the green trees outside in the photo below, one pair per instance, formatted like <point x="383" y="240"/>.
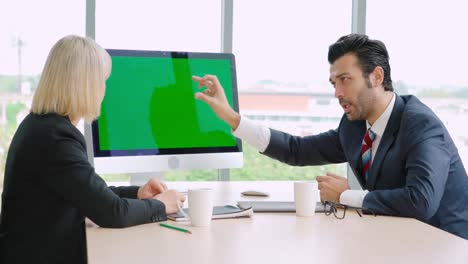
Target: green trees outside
<point x="258" y="167"/>
<point x="12" y="111"/>
<point x="5" y="138"/>
<point x="9" y="83"/>
<point x="6" y="133"/>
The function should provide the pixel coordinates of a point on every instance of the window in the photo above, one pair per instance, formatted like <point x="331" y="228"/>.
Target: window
<point x="159" y="25"/>
<point x="281" y="51"/>
<point x="281" y="56"/>
<point x="29" y="30"/>
<point x="427" y="56"/>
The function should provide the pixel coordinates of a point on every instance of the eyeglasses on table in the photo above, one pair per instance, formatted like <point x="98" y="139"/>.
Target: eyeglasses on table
<point x="332" y="208"/>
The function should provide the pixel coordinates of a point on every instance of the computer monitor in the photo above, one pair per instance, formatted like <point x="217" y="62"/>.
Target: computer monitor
<point x="150" y="120"/>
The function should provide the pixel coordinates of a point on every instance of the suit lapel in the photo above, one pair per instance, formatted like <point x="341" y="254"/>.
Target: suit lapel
<point x="387" y="140"/>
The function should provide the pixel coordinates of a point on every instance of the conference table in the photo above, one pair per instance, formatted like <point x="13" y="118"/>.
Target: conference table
<point x="276" y="237"/>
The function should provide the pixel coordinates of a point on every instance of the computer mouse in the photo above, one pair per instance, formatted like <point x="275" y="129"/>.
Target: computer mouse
<point x="255" y="193"/>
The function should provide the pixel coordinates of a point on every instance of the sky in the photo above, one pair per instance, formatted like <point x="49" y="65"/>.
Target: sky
<point x="286" y="41"/>
<point x="40" y="24"/>
<point x="427" y="40"/>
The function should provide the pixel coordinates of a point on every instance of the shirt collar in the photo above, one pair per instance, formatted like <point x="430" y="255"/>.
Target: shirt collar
<point x="381" y="123"/>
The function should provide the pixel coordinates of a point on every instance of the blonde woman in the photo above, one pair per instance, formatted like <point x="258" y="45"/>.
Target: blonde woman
<point x="49" y="186"/>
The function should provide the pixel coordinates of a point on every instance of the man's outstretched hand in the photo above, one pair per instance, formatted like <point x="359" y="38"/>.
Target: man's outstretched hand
<point x="215" y="97"/>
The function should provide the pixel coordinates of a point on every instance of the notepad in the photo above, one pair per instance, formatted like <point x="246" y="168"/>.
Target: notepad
<point x="275" y="206"/>
<point x="219" y="212"/>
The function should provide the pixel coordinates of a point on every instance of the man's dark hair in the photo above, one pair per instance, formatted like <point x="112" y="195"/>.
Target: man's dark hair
<point x="369" y="52"/>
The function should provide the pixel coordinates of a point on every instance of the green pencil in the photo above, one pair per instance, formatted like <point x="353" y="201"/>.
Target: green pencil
<point x="176" y="228"/>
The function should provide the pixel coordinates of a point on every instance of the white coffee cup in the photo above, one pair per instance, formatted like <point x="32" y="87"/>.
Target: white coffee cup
<point x="305" y="197"/>
<point x="200" y="203"/>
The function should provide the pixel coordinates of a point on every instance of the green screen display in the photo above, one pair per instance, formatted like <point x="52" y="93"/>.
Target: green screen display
<point x="150" y="104"/>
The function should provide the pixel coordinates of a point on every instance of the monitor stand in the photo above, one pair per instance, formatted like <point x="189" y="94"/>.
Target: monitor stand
<point x="139" y="179"/>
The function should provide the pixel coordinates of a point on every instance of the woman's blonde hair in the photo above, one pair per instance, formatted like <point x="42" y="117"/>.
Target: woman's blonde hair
<point x="73" y="80"/>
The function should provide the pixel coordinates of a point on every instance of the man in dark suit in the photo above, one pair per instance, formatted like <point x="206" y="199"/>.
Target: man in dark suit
<point x="401" y="153"/>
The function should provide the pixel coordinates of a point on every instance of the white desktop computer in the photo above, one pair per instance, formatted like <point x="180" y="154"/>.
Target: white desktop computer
<point x="150" y="120"/>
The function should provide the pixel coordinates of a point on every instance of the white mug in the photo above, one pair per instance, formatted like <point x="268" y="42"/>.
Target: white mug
<point x="200" y="203"/>
<point x="305" y="197"/>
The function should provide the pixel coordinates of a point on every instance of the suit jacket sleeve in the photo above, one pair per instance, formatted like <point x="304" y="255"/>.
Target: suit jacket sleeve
<point x="126" y="191"/>
<point x="71" y="176"/>
<point x="427" y="166"/>
<point x="318" y="149"/>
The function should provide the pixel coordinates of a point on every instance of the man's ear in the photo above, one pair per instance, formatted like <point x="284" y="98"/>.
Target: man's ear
<point x="377" y="76"/>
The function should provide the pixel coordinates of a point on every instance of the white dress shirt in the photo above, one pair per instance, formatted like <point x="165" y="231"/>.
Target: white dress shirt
<point x="356" y="197"/>
<point x="259" y="137"/>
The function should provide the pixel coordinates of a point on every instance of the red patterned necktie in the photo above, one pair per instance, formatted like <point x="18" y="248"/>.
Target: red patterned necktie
<point x="366" y="152"/>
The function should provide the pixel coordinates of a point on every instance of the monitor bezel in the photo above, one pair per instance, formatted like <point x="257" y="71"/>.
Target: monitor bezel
<point x="98" y="153"/>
